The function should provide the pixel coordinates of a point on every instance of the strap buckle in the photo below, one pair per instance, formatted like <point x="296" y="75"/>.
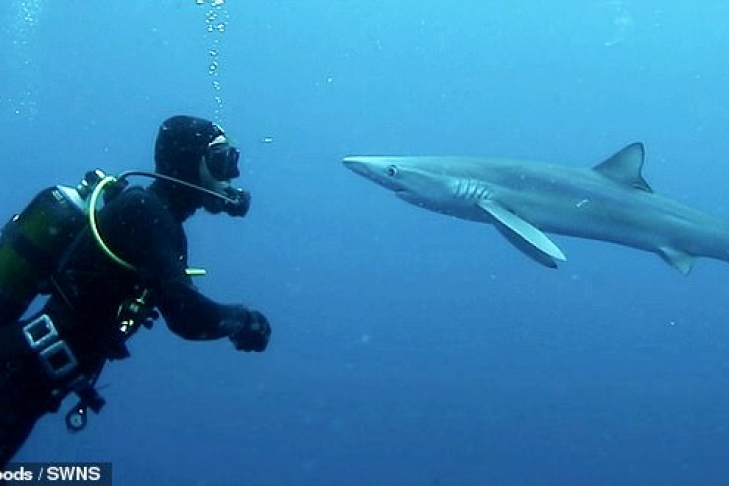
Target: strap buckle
<point x="57" y="359"/>
<point x="40" y="332"/>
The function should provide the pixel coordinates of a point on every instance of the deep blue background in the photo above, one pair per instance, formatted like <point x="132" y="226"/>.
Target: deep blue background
<point x="408" y="348"/>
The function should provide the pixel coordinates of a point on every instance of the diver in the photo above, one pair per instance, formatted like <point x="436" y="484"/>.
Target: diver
<point x="117" y="275"/>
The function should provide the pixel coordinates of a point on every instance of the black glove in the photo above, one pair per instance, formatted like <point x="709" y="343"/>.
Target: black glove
<point x="250" y="331"/>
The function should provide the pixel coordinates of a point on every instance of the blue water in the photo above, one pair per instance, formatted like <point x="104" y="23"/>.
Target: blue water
<point x="408" y="348"/>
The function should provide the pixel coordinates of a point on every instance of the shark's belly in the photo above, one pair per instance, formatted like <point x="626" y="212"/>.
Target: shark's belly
<point x="626" y="217"/>
<point x="619" y="228"/>
<point x="640" y="221"/>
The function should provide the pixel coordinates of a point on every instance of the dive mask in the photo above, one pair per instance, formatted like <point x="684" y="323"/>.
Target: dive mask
<point x="221" y="159"/>
<point x="218" y="167"/>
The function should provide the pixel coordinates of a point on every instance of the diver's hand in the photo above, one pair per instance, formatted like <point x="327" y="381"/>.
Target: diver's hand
<point x="251" y="332"/>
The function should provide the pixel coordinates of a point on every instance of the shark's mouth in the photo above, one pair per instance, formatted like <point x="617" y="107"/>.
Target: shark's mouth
<point x="408" y="196"/>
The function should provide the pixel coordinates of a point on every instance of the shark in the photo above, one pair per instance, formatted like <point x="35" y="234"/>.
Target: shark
<point x="527" y="200"/>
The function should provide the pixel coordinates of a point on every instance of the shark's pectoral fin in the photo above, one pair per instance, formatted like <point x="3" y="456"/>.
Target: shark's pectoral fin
<point x="523" y="235"/>
<point x="681" y="261"/>
<point x="522" y="245"/>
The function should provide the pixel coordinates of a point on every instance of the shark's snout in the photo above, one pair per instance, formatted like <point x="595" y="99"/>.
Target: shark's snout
<point x="356" y="164"/>
<point x="352" y="163"/>
<point x="365" y="165"/>
<point x="381" y="170"/>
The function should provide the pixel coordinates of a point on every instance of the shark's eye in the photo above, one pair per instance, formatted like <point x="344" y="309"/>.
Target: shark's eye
<point x="391" y="171"/>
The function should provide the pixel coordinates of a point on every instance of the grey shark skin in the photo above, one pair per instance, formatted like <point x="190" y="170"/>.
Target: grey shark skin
<point x="524" y="200"/>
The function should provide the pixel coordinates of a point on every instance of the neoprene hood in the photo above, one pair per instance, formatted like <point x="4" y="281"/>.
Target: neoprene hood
<point x="181" y="143"/>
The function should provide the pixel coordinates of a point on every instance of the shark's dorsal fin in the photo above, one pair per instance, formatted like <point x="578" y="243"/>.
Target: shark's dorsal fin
<point x="523" y="235"/>
<point x="680" y="260"/>
<point x="625" y="167"/>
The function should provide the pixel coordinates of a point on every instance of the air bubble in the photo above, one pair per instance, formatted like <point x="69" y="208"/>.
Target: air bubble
<point x="216" y="23"/>
<point x="19" y="62"/>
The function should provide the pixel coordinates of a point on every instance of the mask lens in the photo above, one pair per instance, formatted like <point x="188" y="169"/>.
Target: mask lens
<point x="222" y="162"/>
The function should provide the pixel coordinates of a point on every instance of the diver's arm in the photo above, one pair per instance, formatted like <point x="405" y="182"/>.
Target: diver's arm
<point x="156" y="246"/>
<point x="193" y="316"/>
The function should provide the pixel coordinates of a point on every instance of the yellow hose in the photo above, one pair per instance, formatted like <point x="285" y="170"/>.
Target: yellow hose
<point x="93" y="202"/>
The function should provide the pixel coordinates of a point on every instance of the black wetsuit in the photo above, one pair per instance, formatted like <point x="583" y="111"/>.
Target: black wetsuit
<point x="143" y="227"/>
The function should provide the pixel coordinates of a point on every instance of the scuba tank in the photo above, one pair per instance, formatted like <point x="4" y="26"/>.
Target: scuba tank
<point x="33" y="242"/>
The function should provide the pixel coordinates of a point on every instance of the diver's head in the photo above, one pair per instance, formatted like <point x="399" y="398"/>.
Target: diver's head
<point x="182" y="142"/>
<point x="197" y="151"/>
